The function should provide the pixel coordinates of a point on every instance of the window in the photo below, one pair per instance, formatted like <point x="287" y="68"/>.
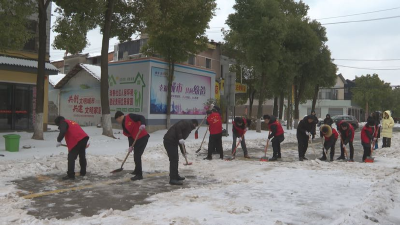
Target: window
<point x="192" y="60"/>
<point x="94" y="62"/>
<point x="208" y="63"/>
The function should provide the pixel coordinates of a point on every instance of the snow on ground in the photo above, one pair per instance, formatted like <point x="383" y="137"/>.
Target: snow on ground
<point x="246" y="192"/>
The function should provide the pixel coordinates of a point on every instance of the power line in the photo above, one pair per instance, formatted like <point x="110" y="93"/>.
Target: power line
<point x="368" y="60"/>
<point x="361" y="68"/>
<point x="359" y="21"/>
<point x="357" y="14"/>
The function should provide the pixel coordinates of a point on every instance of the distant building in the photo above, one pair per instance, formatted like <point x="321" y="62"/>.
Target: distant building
<point x="333" y="101"/>
<point x="70" y="61"/>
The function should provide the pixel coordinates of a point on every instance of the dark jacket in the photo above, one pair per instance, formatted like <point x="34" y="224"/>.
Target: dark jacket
<point x="328" y="121"/>
<point x="63" y="129"/>
<point x="178" y="131"/>
<point x="304" y="126"/>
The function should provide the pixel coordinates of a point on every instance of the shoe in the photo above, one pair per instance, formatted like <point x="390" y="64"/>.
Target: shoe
<point x="82" y="174"/>
<point x="207" y="158"/>
<point x="341" y="158"/>
<point x="279" y="157"/>
<point x="181" y="178"/>
<point x="351" y="160"/>
<point x="68" y="178"/>
<point x="322" y="158"/>
<point x="137" y="177"/>
<point x="273" y="159"/>
<point x="304" y="158"/>
<point x="300" y="159"/>
<point x="247" y="156"/>
<point x="331" y="159"/>
<point x="175" y="182"/>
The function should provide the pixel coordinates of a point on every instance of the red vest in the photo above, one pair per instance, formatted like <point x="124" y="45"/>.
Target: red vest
<point x="133" y="128"/>
<point x="215" y="123"/>
<point x="364" y="138"/>
<point x="239" y="130"/>
<point x="347" y="131"/>
<point x="74" y="134"/>
<point x="335" y="133"/>
<point x="279" y="129"/>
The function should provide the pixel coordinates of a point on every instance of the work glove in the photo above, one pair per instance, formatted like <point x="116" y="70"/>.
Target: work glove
<point x="142" y="127"/>
<point x="240" y="139"/>
<point x="308" y="133"/>
<point x="182" y="142"/>
<point x="246" y="129"/>
<point x="58" y="144"/>
<point x="130" y="149"/>
<point x="375" y="139"/>
<point x="211" y="106"/>
<point x="269" y="137"/>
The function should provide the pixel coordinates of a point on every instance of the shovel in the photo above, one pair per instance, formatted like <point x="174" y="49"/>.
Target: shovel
<point x="370" y="159"/>
<point x="120" y="169"/>
<point x="198" y="150"/>
<point x="265" y="158"/>
<point x="184" y="155"/>
<point x="196" y="133"/>
<point x="230" y="158"/>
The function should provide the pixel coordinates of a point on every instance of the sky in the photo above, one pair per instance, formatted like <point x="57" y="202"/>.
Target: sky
<point x="374" y="40"/>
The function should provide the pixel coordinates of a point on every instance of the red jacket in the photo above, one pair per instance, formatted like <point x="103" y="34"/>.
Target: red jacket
<point x="346" y="133"/>
<point x="367" y="134"/>
<point x="215" y="123"/>
<point x="279" y="129"/>
<point x="74" y="134"/>
<point x="240" y="131"/>
<point x="133" y="128"/>
<point x="335" y="134"/>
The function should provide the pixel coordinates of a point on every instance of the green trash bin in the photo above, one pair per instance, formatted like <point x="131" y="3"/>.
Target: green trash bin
<point x="12" y="142"/>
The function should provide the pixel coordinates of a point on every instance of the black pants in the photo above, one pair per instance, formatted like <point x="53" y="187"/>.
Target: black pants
<point x="79" y="149"/>
<point x="173" y="155"/>
<point x="367" y="151"/>
<point x="215" y="144"/>
<point x="332" y="147"/>
<point x="243" y="143"/>
<point x="302" y="145"/>
<point x="276" y="145"/>
<point x="138" y="150"/>
<point x="386" y="142"/>
<point x="351" y="150"/>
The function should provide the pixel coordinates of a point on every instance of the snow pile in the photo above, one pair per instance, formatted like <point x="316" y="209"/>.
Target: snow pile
<point x="246" y="192"/>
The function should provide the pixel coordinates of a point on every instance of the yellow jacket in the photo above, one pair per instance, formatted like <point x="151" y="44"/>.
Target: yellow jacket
<point x="387" y="125"/>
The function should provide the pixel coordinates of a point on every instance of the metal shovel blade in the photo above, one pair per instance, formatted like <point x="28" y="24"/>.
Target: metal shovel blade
<point x="229" y="158"/>
<point x="117" y="170"/>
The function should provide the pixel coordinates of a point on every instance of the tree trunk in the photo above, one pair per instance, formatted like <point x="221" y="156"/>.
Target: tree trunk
<point x="281" y="102"/>
<point x="38" y="125"/>
<point x="275" y="112"/>
<point x="171" y="67"/>
<point x="314" y="101"/>
<point x="105" y="106"/>
<point x="260" y="101"/>
<point x="251" y="101"/>
<point x="296" y="106"/>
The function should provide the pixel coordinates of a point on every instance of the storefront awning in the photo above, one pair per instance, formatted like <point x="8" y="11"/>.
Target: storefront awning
<point x="9" y="63"/>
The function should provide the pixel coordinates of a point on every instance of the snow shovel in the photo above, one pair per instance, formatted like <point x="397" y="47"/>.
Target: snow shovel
<point x="265" y="158"/>
<point x="196" y="133"/>
<point x="120" y="169"/>
<point x="184" y="155"/>
<point x="370" y="159"/>
<point x="198" y="150"/>
<point x="230" y="158"/>
<point x="344" y="148"/>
